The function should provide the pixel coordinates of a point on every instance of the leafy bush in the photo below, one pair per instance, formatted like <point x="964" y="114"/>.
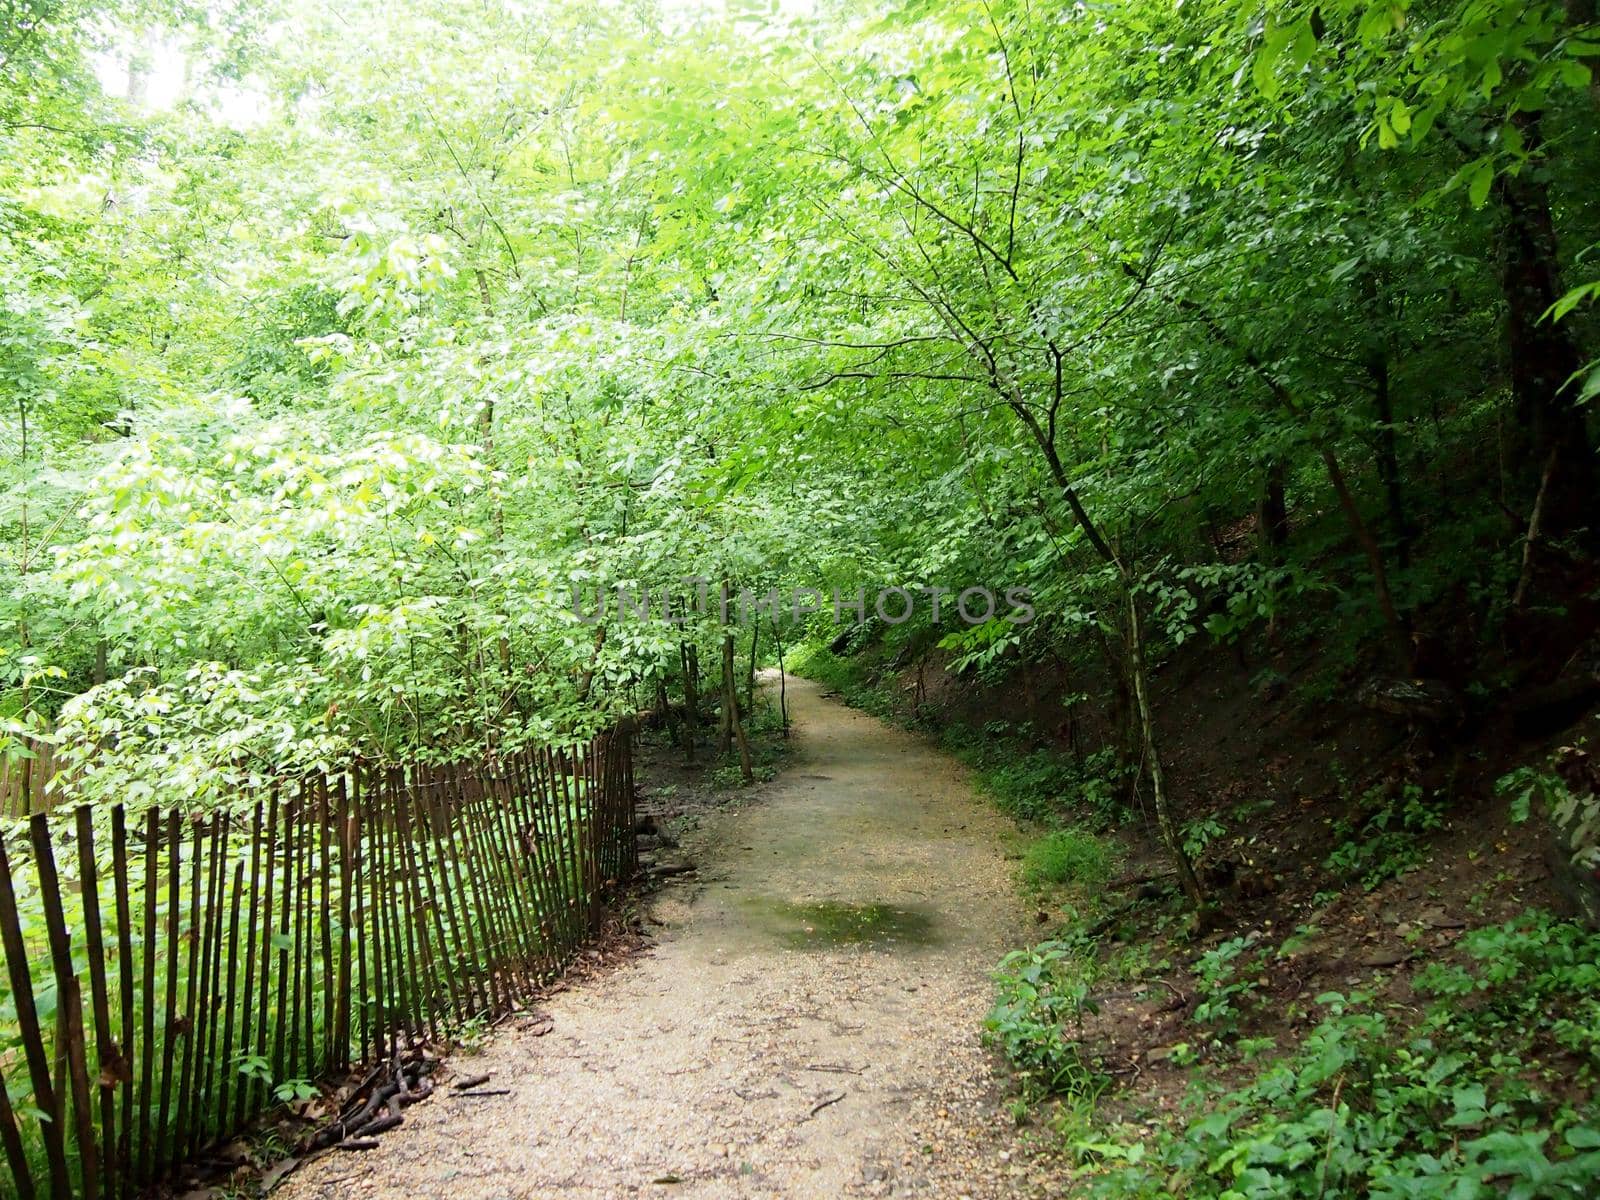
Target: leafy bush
<point x="1066" y="856"/>
<point x="1483" y="1097"/>
<point x="1575" y="813"/>
<point x="1040" y="992"/>
<point x="1225" y="978"/>
<point x="1042" y="786"/>
<point x="1030" y="787"/>
<point x="1388" y="843"/>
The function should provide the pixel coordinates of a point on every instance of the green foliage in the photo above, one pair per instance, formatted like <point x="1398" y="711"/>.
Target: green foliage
<point x="1576" y="814"/>
<point x="1040" y="786"/>
<point x="1388" y="842"/>
<point x="332" y="375"/>
<point x="1042" y="994"/>
<point x="1067" y="857"/>
<point x="322" y="385"/>
<point x="1199" y="833"/>
<point x="1227" y="979"/>
<point x="1479" y="1098"/>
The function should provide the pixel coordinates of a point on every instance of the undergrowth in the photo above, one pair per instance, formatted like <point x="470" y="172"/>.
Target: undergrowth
<point x="1067" y="857"/>
<point x="1044" y="992"/>
<point x="1485" y="1088"/>
<point x="769" y="748"/>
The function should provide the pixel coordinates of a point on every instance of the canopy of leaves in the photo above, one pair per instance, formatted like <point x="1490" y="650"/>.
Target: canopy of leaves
<point x="328" y="372"/>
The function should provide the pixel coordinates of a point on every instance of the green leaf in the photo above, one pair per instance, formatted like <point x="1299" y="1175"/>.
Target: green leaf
<point x="1303" y="46"/>
<point x="1481" y="180"/>
<point x="1591" y="386"/>
<point x="1264" y="70"/>
<point x="1572" y="299"/>
<point x="1575" y="74"/>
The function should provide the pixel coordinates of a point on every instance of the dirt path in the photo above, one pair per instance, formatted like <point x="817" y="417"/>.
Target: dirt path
<point x="807" y="1027"/>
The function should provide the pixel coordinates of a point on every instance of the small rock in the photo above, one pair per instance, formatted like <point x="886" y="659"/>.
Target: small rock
<point x="1440" y="919"/>
<point x="1385" y="958"/>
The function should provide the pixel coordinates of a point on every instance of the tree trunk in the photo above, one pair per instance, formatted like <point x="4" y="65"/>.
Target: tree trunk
<point x="586" y="679"/>
<point x="1389" y="458"/>
<point x="1398" y="636"/>
<point x="1530" y="544"/>
<point x="1272" y="514"/>
<point x="497" y="510"/>
<point x="783" y="680"/>
<point x="1124" y="729"/>
<point x="1542" y="354"/>
<point x="730" y="709"/>
<point x="750" y="676"/>
<point x="1136" y="671"/>
<point x="664" y="706"/>
<point x="691" y="696"/>
<point x="1152" y="754"/>
<point x="730" y="702"/>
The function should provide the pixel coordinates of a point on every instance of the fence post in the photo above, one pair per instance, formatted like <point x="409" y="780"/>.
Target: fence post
<point x="32" y="1035"/>
<point x="69" y="1008"/>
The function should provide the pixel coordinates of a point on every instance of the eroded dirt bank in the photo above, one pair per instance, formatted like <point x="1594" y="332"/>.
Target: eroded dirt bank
<point x="808" y="1025"/>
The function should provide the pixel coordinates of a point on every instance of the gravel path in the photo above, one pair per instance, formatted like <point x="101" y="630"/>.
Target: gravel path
<point x="807" y="1025"/>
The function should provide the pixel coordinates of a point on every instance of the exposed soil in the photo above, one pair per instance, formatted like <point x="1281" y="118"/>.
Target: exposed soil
<point x="807" y="1026"/>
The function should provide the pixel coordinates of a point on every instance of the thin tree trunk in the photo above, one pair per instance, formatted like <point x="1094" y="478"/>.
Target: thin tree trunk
<point x="783" y="679"/>
<point x="1374" y="552"/>
<point x="1136" y="670"/>
<point x="1272" y="531"/>
<point x="664" y="704"/>
<point x="586" y="679"/>
<point x="1272" y="514"/>
<point x="691" y="696"/>
<point x="750" y="676"/>
<point x="1535" y="530"/>
<point x="1125" y="735"/>
<point x="730" y="693"/>
<point x="1158" y="786"/>
<point x="497" y="512"/>
<point x="1389" y="458"/>
<point x="730" y="708"/>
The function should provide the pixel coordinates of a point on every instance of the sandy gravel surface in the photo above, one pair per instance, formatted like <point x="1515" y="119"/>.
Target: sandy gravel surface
<point x="807" y="1026"/>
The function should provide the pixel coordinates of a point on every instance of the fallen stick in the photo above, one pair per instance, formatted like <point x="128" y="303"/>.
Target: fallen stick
<point x="462" y="1085"/>
<point x="380" y="1125"/>
<point x="823" y="1103"/>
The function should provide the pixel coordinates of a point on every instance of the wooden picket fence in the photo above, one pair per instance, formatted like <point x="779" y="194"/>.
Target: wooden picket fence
<point x="171" y="974"/>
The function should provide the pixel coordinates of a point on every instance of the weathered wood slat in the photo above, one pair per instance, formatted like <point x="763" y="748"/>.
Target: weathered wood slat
<point x="44" y="1095"/>
<point x="94" y="945"/>
<point x="126" y="1049"/>
<point x="146" y="1047"/>
<point x="69" y="1007"/>
<point x="11" y="1139"/>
